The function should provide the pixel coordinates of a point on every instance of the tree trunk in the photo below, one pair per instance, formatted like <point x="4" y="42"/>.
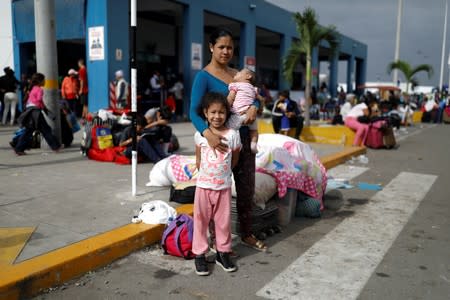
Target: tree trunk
<point x="307" y="89"/>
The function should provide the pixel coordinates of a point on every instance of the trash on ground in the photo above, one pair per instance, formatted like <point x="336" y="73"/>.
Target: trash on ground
<point x="338" y="183"/>
<point x="369" y="186"/>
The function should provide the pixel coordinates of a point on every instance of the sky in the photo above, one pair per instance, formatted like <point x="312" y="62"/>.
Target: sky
<point x="374" y="22"/>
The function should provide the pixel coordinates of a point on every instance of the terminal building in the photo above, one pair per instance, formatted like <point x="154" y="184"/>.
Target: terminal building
<point x="172" y="39"/>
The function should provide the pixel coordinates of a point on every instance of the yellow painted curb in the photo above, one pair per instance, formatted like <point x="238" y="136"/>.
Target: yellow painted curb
<point x="417" y="117"/>
<point x="331" y="161"/>
<point x="324" y="134"/>
<point x="30" y="277"/>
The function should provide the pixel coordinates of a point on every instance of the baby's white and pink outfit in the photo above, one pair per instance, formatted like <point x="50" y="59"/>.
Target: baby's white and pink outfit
<point x="213" y="194"/>
<point x="245" y="96"/>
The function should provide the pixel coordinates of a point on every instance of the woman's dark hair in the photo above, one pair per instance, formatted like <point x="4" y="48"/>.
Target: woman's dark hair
<point x="36" y="79"/>
<point x="211" y="98"/>
<point x="218" y="33"/>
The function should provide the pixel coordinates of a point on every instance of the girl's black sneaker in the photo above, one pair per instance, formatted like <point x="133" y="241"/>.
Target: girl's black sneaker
<point x="223" y="259"/>
<point x="201" y="266"/>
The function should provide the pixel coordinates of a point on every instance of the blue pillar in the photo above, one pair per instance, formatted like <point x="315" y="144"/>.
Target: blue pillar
<point x="315" y="67"/>
<point x="361" y="69"/>
<point x="285" y="44"/>
<point x="192" y="33"/>
<point x="334" y="64"/>
<point x="247" y="41"/>
<point x="112" y="15"/>
<point x="350" y="72"/>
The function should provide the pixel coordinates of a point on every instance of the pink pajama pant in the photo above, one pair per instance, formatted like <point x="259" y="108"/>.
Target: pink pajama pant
<point x="212" y="205"/>
<point x="361" y="130"/>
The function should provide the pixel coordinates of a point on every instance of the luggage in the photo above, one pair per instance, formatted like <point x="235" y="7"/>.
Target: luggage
<point x="264" y="221"/>
<point x="380" y="136"/>
<point x="177" y="237"/>
<point x="182" y="192"/>
<point x="389" y="138"/>
<point x="446" y="115"/>
<point x="375" y="136"/>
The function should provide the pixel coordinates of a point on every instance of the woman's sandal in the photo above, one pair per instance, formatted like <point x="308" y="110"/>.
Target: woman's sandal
<point x="254" y="243"/>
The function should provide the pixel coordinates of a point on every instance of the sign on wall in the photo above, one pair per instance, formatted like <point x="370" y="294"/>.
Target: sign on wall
<point x="250" y="63"/>
<point x="96" y="43"/>
<point x="196" y="56"/>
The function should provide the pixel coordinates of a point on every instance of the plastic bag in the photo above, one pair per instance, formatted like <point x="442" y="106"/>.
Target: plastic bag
<point x="157" y="212"/>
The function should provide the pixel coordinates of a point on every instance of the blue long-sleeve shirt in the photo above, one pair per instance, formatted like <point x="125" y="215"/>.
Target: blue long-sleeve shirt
<point x="204" y="83"/>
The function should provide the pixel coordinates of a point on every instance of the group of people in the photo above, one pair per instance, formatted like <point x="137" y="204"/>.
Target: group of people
<point x="167" y="92"/>
<point x="74" y="90"/>
<point x="223" y="105"/>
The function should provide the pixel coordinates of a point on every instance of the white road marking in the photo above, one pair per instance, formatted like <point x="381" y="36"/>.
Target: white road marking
<point x="346" y="172"/>
<point x="339" y="265"/>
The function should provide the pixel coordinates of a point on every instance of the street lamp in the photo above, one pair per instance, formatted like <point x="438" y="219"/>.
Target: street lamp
<point x="397" y="40"/>
<point x="444" y="40"/>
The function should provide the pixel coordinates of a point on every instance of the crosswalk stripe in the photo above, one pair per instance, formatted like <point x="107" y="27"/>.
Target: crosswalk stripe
<point x="339" y="265"/>
<point x="346" y="172"/>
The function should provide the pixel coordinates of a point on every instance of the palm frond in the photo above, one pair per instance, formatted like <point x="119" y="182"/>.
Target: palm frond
<point x="291" y="60"/>
<point x="401" y="65"/>
<point x="425" y="68"/>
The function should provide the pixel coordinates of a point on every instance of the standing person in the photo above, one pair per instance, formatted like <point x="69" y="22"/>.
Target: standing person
<point x="213" y="192"/>
<point x="177" y="89"/>
<point x="241" y="96"/>
<point x="69" y="89"/>
<point x="10" y="99"/>
<point x="83" y="92"/>
<point x="121" y="90"/>
<point x="33" y="119"/>
<point x="156" y="85"/>
<point x="215" y="77"/>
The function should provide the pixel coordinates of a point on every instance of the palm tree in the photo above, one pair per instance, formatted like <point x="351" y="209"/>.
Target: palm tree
<point x="311" y="34"/>
<point x="409" y="72"/>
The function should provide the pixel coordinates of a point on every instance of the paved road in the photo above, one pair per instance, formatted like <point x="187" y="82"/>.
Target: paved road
<point x="387" y="244"/>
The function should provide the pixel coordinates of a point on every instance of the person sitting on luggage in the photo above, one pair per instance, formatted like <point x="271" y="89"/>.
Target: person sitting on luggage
<point x="352" y="122"/>
<point x="286" y="115"/>
<point x="148" y="148"/>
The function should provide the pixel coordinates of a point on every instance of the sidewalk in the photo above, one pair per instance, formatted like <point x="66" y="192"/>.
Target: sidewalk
<point x="65" y="198"/>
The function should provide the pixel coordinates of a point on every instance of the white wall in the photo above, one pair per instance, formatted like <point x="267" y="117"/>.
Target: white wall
<point x="6" y="48"/>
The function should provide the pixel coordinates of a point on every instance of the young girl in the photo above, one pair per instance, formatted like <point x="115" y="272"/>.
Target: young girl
<point x="241" y="96"/>
<point x="33" y="119"/>
<point x="213" y="192"/>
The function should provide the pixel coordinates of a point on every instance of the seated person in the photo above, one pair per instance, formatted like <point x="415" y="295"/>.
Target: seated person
<point x="157" y="126"/>
<point x="353" y="120"/>
<point x="148" y="148"/>
<point x="286" y="115"/>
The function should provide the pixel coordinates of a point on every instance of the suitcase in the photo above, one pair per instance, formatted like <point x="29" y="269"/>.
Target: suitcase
<point x="446" y="115"/>
<point x="389" y="138"/>
<point x="264" y="221"/>
<point x="375" y="136"/>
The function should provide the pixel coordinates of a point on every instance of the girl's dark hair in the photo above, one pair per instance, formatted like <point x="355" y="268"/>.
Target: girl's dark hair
<point x="36" y="79"/>
<point x="210" y="98"/>
<point x="218" y="33"/>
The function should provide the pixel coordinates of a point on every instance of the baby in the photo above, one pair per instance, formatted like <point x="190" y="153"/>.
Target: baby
<point x="241" y="96"/>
